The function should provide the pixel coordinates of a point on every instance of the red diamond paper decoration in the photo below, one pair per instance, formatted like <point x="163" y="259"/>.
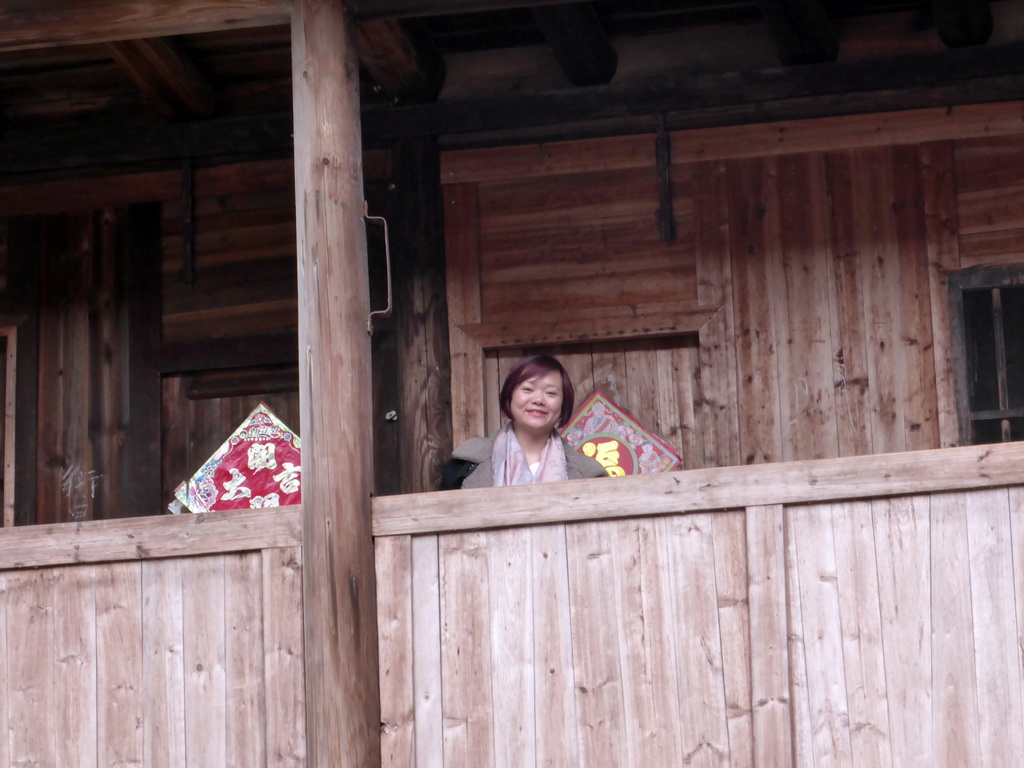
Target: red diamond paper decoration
<point x="259" y="465"/>
<point x="604" y="431"/>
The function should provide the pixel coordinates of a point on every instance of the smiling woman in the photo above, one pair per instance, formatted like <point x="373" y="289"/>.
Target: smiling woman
<point x="537" y="398"/>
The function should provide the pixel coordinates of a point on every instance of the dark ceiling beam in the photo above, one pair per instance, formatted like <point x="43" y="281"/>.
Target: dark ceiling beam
<point x="168" y="78"/>
<point x="401" y="62"/>
<point x="962" y="22"/>
<point x="943" y="78"/>
<point x="398" y="9"/>
<point x="962" y="76"/>
<point x="578" y="42"/>
<point x="45" y="23"/>
<point x="802" y="30"/>
<point x="210" y="140"/>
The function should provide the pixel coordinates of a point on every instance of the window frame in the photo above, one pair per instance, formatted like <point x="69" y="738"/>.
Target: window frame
<point x="992" y="278"/>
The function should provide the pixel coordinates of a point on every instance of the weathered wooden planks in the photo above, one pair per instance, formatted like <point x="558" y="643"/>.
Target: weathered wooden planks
<point x="902" y="535"/>
<point x="284" y="652"/>
<point x="462" y="279"/>
<point x="119" y="622"/>
<point x="395" y="628"/>
<point x="821" y="249"/>
<point x="994" y="598"/>
<point x="870" y="632"/>
<point x="943" y="256"/>
<point x="10" y="351"/>
<point x="954" y="674"/>
<point x="151" y="537"/>
<point x="154" y="663"/>
<point x="988" y="193"/>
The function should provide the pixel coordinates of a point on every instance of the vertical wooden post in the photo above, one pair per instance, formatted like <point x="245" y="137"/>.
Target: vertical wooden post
<point x="141" y="314"/>
<point x="342" y="699"/>
<point x="25" y="242"/>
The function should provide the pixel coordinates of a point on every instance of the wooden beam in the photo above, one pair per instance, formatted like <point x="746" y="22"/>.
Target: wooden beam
<point x="963" y="76"/>
<point x="335" y="393"/>
<point x="26" y="24"/>
<point x="962" y="22"/>
<point x="150" y="538"/>
<point x="140" y="261"/>
<point x="703" y="490"/>
<point x="578" y="42"/>
<point x="168" y="78"/>
<point x="226" y="138"/>
<point x="106" y="191"/>
<point x="379" y="9"/>
<point x="401" y="62"/>
<point x="227" y="352"/>
<point x="25" y="241"/>
<point x="634" y="321"/>
<point x="421" y="320"/>
<point x="10" y="334"/>
<point x="958" y="77"/>
<point x="802" y="30"/>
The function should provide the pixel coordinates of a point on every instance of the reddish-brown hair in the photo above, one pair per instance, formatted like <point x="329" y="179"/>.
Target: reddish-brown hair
<point x="530" y="367"/>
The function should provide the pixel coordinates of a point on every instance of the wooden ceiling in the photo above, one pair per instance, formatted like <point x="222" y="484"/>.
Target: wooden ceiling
<point x="87" y="83"/>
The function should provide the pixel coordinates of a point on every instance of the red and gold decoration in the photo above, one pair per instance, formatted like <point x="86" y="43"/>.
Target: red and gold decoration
<point x="605" y="432"/>
<point x="259" y="465"/>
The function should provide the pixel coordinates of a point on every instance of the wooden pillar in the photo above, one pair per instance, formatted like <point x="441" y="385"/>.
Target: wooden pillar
<point x="25" y="243"/>
<point x="342" y="699"/>
<point x="140" y="317"/>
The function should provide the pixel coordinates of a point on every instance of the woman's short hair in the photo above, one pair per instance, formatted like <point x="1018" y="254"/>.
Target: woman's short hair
<point x="530" y="367"/>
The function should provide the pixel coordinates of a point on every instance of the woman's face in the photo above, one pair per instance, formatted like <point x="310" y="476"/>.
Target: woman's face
<point x="537" y="403"/>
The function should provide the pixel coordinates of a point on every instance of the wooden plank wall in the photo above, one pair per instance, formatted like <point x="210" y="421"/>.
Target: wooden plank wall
<point x="243" y="254"/>
<point x="242" y="283"/>
<point x="82" y="350"/>
<point x="4" y="226"/>
<point x="186" y="661"/>
<point x="813" y="256"/>
<point x="235" y="277"/>
<point x="868" y="632"/>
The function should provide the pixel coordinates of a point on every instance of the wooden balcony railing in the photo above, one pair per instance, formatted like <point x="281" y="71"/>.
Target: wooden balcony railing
<point x="860" y="612"/>
<point x="162" y="641"/>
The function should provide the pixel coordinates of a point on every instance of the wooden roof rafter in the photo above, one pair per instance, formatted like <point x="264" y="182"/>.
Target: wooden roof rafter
<point x="802" y="30"/>
<point x="166" y="75"/>
<point x="140" y="41"/>
<point x="962" y="22"/>
<point x="578" y="42"/>
<point x="402" y="63"/>
<point x="572" y="30"/>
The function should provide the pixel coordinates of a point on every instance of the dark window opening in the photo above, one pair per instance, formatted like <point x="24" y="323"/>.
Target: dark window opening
<point x="988" y="315"/>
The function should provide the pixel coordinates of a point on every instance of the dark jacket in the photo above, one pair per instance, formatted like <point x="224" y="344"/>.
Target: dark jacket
<point x="471" y="467"/>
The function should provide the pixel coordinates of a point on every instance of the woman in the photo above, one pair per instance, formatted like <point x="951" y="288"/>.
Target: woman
<point x="537" y="398"/>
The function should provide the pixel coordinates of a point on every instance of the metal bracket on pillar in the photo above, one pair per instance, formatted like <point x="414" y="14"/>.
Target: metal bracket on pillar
<point x="663" y="157"/>
<point x="382" y="313"/>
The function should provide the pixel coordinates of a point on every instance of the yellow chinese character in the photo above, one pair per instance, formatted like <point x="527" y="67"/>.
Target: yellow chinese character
<point x="607" y="455"/>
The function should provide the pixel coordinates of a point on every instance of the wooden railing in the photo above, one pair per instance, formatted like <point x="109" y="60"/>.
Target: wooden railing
<point x="855" y="612"/>
<point x="168" y="641"/>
